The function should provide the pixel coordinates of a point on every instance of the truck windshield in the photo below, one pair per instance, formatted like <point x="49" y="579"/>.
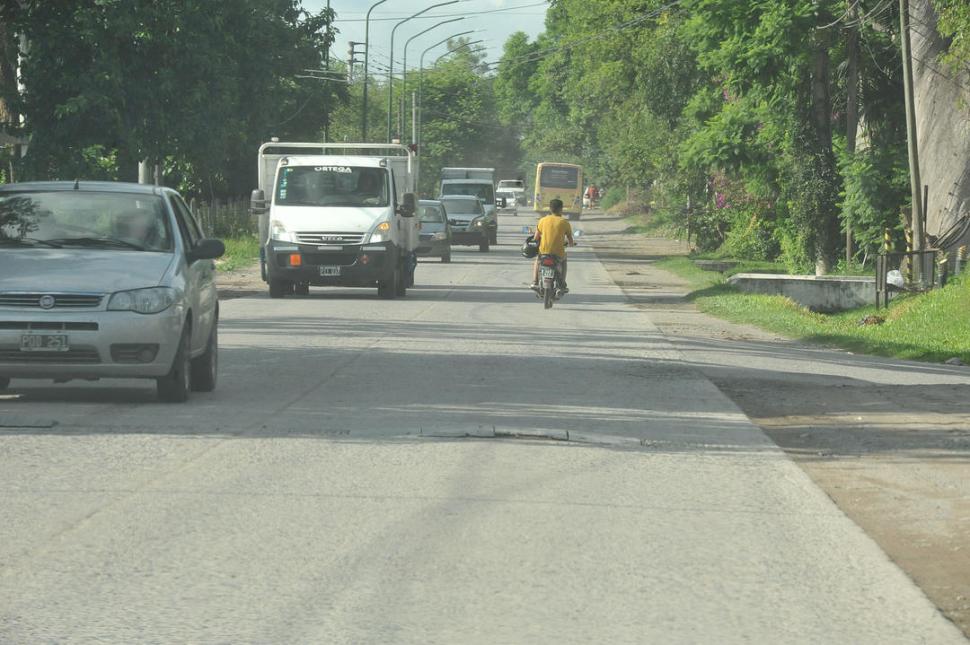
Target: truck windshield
<point x="462" y="206"/>
<point x="332" y="186"/>
<point x="510" y="184"/>
<point x="481" y="191"/>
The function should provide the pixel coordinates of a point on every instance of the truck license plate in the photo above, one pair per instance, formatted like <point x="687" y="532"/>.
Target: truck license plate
<point x="44" y="343"/>
<point x="329" y="271"/>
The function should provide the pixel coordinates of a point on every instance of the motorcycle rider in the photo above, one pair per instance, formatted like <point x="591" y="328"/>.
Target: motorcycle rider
<point x="553" y="233"/>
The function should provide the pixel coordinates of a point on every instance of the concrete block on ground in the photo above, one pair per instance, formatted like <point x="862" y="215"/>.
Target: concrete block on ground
<point x="819" y="293"/>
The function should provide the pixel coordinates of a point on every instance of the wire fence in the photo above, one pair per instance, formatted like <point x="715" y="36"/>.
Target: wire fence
<point x="230" y="218"/>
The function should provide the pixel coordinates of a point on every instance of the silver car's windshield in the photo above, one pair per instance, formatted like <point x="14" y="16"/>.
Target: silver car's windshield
<point x="114" y="221"/>
<point x="332" y="186"/>
<point x="431" y="214"/>
<point x="463" y="206"/>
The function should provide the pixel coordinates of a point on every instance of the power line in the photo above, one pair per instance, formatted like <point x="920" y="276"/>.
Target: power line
<point x="449" y="15"/>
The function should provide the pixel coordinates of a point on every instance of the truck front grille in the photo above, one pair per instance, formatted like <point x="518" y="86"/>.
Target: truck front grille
<point x="312" y="237"/>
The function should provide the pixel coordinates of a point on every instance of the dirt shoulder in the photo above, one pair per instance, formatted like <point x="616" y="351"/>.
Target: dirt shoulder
<point x="887" y="440"/>
<point x="239" y="283"/>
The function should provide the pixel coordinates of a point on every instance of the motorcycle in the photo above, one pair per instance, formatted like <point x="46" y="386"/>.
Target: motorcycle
<point x="551" y="287"/>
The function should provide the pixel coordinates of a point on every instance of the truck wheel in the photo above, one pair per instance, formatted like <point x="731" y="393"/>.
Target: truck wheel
<point x="387" y="289"/>
<point x="493" y="237"/>
<point x="403" y="282"/>
<point x="446" y="258"/>
<point x="302" y="289"/>
<point x="4" y="383"/>
<point x="278" y="288"/>
<point x="483" y="245"/>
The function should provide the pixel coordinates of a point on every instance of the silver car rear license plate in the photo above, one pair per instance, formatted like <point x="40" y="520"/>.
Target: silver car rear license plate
<point x="44" y="343"/>
<point x="329" y="271"/>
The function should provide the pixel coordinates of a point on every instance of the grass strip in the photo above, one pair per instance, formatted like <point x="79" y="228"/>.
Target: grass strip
<point x="932" y="326"/>
<point x="241" y="252"/>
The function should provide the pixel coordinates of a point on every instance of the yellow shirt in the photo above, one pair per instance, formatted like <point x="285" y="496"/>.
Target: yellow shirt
<point x="553" y="231"/>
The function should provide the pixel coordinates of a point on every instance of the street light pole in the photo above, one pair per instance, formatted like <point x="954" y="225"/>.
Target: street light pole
<point x="417" y="138"/>
<point x="363" y="121"/>
<point x="390" y="67"/>
<point x="459" y="48"/>
<point x="404" y="90"/>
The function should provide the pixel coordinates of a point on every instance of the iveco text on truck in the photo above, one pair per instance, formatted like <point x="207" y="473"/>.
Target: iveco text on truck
<point x="336" y="214"/>
<point x="477" y="182"/>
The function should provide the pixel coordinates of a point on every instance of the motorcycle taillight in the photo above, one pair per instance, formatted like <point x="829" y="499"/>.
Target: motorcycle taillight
<point x="548" y="262"/>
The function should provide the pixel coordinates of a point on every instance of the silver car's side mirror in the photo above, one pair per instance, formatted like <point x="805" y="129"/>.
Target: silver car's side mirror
<point x="206" y="249"/>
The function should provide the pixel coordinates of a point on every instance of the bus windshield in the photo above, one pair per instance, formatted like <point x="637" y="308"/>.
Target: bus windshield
<point x="559" y="176"/>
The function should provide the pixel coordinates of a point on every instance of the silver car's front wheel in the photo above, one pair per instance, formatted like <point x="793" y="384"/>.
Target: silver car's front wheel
<point x="174" y="387"/>
<point x="205" y="368"/>
<point x="4" y="382"/>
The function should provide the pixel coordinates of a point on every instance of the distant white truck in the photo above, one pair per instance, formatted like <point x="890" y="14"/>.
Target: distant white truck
<point x="477" y="182"/>
<point x="336" y="214"/>
<point x="514" y="186"/>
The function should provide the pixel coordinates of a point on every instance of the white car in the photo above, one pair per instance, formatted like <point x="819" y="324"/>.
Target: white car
<point x="106" y="280"/>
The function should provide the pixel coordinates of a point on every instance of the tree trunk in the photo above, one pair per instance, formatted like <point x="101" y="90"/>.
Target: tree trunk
<point x="826" y="225"/>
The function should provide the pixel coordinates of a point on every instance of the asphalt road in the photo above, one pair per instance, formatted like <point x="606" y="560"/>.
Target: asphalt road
<point x="457" y="466"/>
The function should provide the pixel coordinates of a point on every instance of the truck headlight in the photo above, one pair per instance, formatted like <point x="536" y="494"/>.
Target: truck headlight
<point x="478" y="222"/>
<point x="279" y="232"/>
<point x="143" y="301"/>
<point x="381" y="233"/>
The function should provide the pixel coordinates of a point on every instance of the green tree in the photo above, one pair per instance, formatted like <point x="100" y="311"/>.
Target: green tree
<point x="110" y="82"/>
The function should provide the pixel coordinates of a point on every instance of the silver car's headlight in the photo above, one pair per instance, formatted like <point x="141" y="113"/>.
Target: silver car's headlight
<point x="143" y="301"/>
<point x="440" y="235"/>
<point x="477" y="222"/>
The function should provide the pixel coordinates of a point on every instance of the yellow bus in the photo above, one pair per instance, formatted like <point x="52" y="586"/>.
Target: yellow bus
<point x="559" y="181"/>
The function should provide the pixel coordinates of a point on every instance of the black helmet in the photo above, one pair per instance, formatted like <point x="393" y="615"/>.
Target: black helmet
<point x="530" y="248"/>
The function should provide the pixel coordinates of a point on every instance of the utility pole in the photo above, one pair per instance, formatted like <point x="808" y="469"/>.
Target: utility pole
<point x="352" y="59"/>
<point x="852" y="104"/>
<point x="414" y="118"/>
<point x="915" y="183"/>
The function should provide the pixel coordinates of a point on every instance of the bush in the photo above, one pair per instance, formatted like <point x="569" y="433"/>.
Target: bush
<point x="613" y="196"/>
<point x="750" y="237"/>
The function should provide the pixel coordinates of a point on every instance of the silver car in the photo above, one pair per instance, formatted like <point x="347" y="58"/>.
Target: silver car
<point x="435" y="240"/>
<point x="105" y="280"/>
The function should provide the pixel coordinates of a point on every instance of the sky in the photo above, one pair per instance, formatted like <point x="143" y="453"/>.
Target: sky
<point x="507" y="17"/>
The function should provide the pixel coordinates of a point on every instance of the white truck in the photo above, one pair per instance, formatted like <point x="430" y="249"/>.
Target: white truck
<point x="336" y="214"/>
<point x="513" y="190"/>
<point x="477" y="182"/>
